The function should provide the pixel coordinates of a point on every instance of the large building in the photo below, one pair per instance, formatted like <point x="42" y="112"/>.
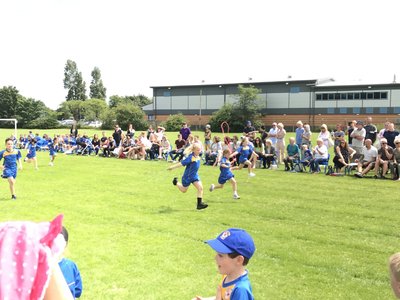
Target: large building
<point x="312" y="101"/>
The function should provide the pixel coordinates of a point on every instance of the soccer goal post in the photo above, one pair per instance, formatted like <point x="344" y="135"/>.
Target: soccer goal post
<point x="15" y="124"/>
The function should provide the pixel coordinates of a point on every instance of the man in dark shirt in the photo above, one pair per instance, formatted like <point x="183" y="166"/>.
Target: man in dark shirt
<point x="390" y="134"/>
<point x="179" y="148"/>
<point x="371" y="130"/>
<point x="117" y="135"/>
<point x="249" y="130"/>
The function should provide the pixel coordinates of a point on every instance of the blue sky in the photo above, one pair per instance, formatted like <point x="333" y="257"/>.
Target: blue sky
<point x="138" y="44"/>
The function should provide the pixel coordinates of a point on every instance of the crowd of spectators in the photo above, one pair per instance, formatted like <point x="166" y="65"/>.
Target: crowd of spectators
<point x="356" y="146"/>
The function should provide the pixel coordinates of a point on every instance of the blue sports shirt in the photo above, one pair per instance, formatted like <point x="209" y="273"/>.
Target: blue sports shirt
<point x="10" y="158"/>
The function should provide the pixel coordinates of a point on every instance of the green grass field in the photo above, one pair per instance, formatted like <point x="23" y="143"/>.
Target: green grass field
<point x="134" y="236"/>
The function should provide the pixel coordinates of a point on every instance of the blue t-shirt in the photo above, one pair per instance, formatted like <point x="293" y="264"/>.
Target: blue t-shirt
<point x="238" y="289"/>
<point x="226" y="173"/>
<point x="299" y="135"/>
<point x="10" y="158"/>
<point x="244" y="153"/>
<point x="192" y="164"/>
<point x="31" y="150"/>
<point x="72" y="276"/>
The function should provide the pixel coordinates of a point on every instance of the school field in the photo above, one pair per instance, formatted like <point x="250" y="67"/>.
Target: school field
<point x="134" y="236"/>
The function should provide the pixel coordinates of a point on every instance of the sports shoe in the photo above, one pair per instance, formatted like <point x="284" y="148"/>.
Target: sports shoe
<point x="13" y="197"/>
<point x="252" y="174"/>
<point x="236" y="196"/>
<point x="358" y="175"/>
<point x="175" y="181"/>
<point x="212" y="187"/>
<point x="202" y="205"/>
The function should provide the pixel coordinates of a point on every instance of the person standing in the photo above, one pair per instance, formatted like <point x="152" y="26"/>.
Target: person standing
<point x="185" y="131"/>
<point x="207" y="137"/>
<point x="299" y="133"/>
<point x="358" y="137"/>
<point x="117" y="135"/>
<point x="370" y="130"/>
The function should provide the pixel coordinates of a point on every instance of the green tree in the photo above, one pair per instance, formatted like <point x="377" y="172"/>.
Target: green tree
<point x="73" y="82"/>
<point x="9" y="98"/>
<point x="247" y="108"/>
<point x="128" y="113"/>
<point x="138" y="100"/>
<point x="174" y="122"/>
<point x="97" y="89"/>
<point x="94" y="109"/>
<point x="74" y="108"/>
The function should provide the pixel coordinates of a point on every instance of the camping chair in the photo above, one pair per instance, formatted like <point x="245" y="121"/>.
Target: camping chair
<point x="325" y="163"/>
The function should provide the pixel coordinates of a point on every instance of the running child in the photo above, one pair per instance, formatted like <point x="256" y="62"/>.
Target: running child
<point x="226" y="174"/>
<point x="9" y="167"/>
<point x="31" y="155"/>
<point x="190" y="176"/>
<point x="247" y="156"/>
<point x="53" y="148"/>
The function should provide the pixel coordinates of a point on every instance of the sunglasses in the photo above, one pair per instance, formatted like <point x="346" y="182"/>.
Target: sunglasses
<point x="383" y="143"/>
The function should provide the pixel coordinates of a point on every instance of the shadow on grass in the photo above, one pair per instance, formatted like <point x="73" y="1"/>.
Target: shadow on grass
<point x="165" y="210"/>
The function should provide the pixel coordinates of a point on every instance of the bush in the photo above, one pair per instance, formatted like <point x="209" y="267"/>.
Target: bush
<point x="174" y="122"/>
<point x="45" y="122"/>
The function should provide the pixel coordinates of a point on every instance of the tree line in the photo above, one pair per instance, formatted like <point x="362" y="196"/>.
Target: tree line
<point x="32" y="113"/>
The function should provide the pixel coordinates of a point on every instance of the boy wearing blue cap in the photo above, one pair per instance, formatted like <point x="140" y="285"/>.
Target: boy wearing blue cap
<point x="234" y="248"/>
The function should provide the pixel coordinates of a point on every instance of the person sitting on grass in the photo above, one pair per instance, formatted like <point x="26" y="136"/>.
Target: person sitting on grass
<point x="226" y="174"/>
<point x="394" y="271"/>
<point x="234" y="249"/>
<point x="320" y="154"/>
<point x="385" y="156"/>
<point x="343" y="155"/>
<point x="367" y="160"/>
<point x="179" y="148"/>
<point x="293" y="153"/>
<point x="191" y="176"/>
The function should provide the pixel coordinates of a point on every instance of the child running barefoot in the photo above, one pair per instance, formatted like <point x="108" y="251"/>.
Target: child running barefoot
<point x="190" y="176"/>
<point x="11" y="157"/>
<point x="247" y="155"/>
<point x="226" y="174"/>
<point x="31" y="155"/>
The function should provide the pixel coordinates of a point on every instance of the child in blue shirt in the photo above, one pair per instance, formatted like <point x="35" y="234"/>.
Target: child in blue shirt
<point x="31" y="155"/>
<point x="191" y="176"/>
<point x="53" y="148"/>
<point x="11" y="157"/>
<point x="247" y="156"/>
<point x="70" y="271"/>
<point x="234" y="249"/>
<point x="226" y="174"/>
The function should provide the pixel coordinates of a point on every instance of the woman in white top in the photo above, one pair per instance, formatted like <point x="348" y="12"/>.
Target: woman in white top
<point x="320" y="155"/>
<point x="325" y="135"/>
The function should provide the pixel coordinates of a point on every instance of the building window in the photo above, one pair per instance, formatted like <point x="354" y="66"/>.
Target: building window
<point x="167" y="94"/>
<point x="356" y="96"/>
<point x="151" y="117"/>
<point x="331" y="96"/>
<point x="319" y="96"/>
<point x="337" y="96"/>
<point x="384" y="95"/>
<point x="370" y="96"/>
<point x="350" y="96"/>
<point x="294" y="89"/>
<point x="377" y="95"/>
<point x="383" y="110"/>
<point x="343" y="110"/>
<point x="330" y="110"/>
<point x="324" y="96"/>
<point x="369" y="110"/>
<point x="397" y="110"/>
<point x="343" y="96"/>
<point x="363" y="95"/>
<point x="356" y="110"/>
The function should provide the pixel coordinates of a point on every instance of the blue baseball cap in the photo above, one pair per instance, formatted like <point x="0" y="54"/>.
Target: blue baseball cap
<point x="233" y="240"/>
